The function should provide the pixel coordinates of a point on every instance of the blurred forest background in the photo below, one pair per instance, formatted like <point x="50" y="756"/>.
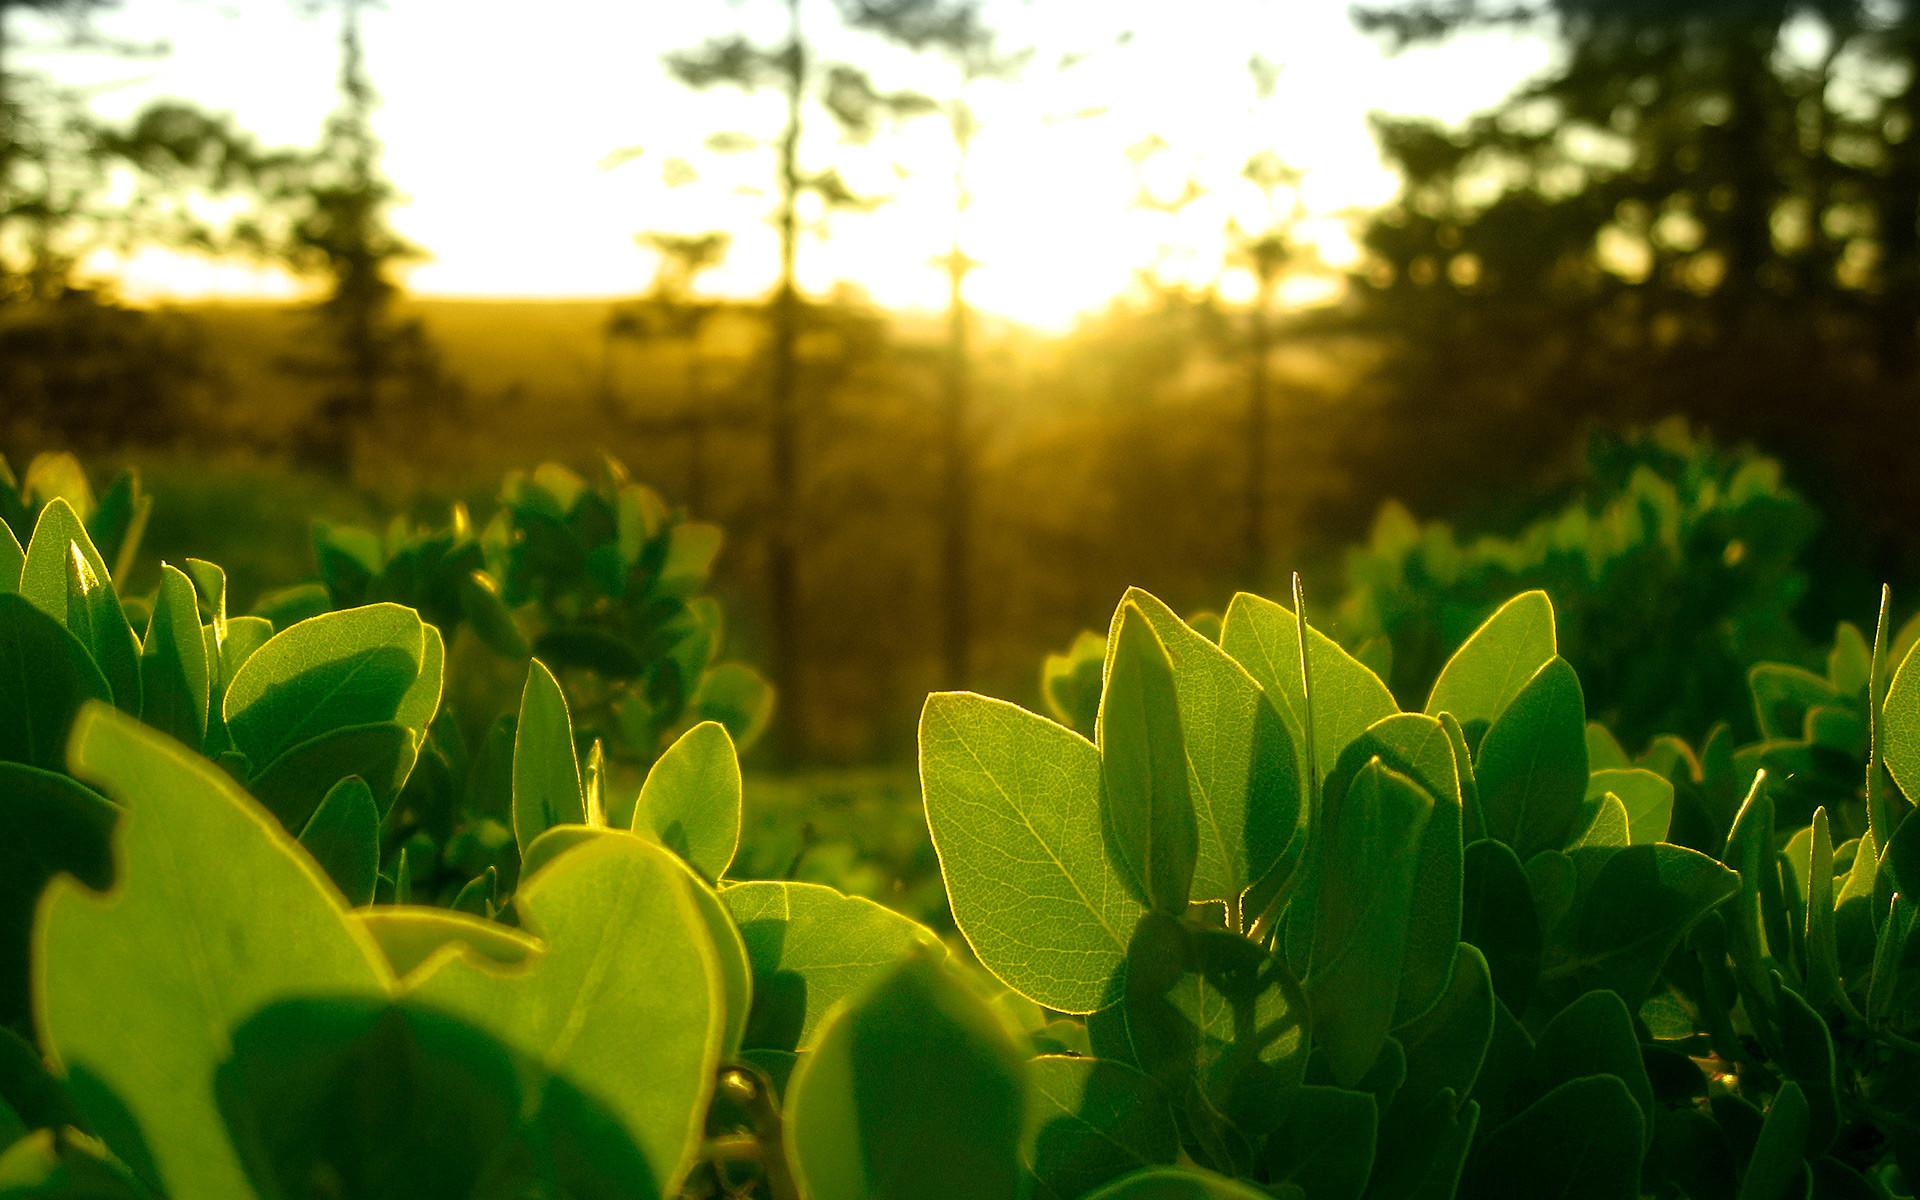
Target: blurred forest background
<point x="1653" y="317"/>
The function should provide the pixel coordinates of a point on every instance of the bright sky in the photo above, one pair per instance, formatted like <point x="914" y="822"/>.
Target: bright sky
<point x="497" y="116"/>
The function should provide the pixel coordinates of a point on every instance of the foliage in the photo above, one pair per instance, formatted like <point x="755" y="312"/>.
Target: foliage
<point x="1264" y="934"/>
<point x="1675" y="572"/>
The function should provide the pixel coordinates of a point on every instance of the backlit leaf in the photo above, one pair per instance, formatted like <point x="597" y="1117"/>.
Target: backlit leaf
<point x="1147" y="808"/>
<point x="691" y="799"/>
<point x="914" y="1091"/>
<point x="1496" y="662"/>
<point x="215" y="913"/>
<point x="1013" y="804"/>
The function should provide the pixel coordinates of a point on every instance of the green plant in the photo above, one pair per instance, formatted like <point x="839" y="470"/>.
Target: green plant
<point x="1264" y="934"/>
<point x="1673" y="573"/>
<point x="602" y="581"/>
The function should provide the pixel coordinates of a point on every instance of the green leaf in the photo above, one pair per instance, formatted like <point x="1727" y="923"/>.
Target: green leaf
<point x="1850" y="661"/>
<point x="43" y="573"/>
<point x="1750" y="851"/>
<point x="735" y="695"/>
<point x="175" y="682"/>
<point x="94" y="616"/>
<point x="1777" y="1169"/>
<point x="810" y="947"/>
<point x="1070" y="683"/>
<point x="1783" y="695"/>
<point x="691" y="547"/>
<point x="1900" y="713"/>
<point x="1532" y="766"/>
<point x="1146" y="807"/>
<point x="344" y="668"/>
<point x="1366" y="871"/>
<point x="1581" y="1141"/>
<point x="1647" y="798"/>
<point x="1903" y="857"/>
<point x="627" y="1003"/>
<point x="1806" y="1056"/>
<point x="1823" y="949"/>
<point x="293" y="785"/>
<point x="913" y="1090"/>
<point x="1242" y="773"/>
<point x="49" y="824"/>
<point x="1417" y="746"/>
<point x="1889" y="949"/>
<point x="483" y="608"/>
<point x="1603" y="749"/>
<point x="1445" y="1047"/>
<point x="1498" y="917"/>
<point x="1188" y="1183"/>
<point x="409" y="936"/>
<point x="1325" y="1146"/>
<point x="422" y="699"/>
<point x="1592" y="1036"/>
<point x="1264" y="638"/>
<point x="691" y="799"/>
<point x="45" y="676"/>
<point x="1493" y="665"/>
<point x="344" y="838"/>
<point x="546" y="771"/>
<point x="404" y="1096"/>
<point x="216" y="912"/>
<point x="1091" y="1121"/>
<point x="1608" y="831"/>
<point x="736" y="971"/>
<point x="1013" y="805"/>
<point x="1643" y="902"/>
<point x="12" y="559"/>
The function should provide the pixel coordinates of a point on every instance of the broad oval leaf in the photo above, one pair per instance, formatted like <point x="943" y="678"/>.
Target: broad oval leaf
<point x="1325" y="1146"/>
<point x="342" y="668"/>
<point x="1592" y="1036"/>
<point x="215" y="913"/>
<point x="1243" y="771"/>
<point x="45" y="677"/>
<point x="626" y="951"/>
<point x="1492" y="665"/>
<point x="1146" y="807"/>
<point x="344" y="838"/>
<point x="293" y="785"/>
<point x="1418" y="747"/>
<point x="1646" y="797"/>
<point x="1581" y="1141"/>
<point x="546" y="769"/>
<point x="736" y="972"/>
<point x="1090" y="1121"/>
<point x="1347" y="697"/>
<point x="1901" y="710"/>
<point x="1532" y="767"/>
<point x="1013" y="805"/>
<point x="1643" y="901"/>
<point x="810" y="947"/>
<point x="44" y="573"/>
<point x="914" y="1091"/>
<point x="691" y="799"/>
<point x="1367" y="868"/>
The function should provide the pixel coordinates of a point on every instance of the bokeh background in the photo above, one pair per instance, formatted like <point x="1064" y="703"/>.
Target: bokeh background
<point x="961" y="316"/>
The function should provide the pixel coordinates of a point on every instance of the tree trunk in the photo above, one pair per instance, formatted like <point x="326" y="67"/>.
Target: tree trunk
<point x="783" y="584"/>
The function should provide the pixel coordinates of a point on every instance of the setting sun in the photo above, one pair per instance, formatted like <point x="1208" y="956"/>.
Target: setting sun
<point x="491" y="111"/>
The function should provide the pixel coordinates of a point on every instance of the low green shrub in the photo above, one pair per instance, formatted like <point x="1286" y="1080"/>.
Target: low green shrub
<point x="1673" y="572"/>
<point x="1264" y="934"/>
